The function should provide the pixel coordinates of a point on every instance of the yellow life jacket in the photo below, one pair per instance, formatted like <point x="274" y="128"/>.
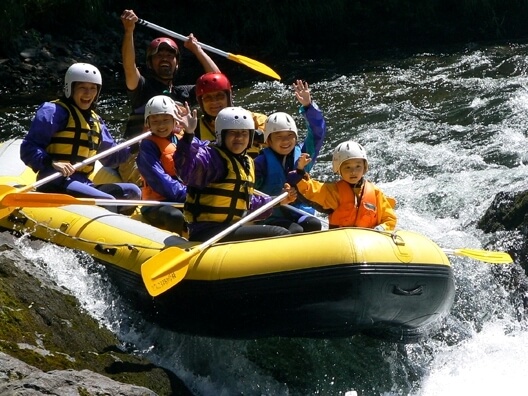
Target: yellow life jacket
<point x="207" y="132"/>
<point x="224" y="201"/>
<point x="78" y="141"/>
<point x="167" y="149"/>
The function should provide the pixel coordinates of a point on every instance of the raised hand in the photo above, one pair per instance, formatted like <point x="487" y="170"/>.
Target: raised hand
<point x="302" y="92"/>
<point x="192" y="44"/>
<point x="304" y="159"/>
<point x="187" y="118"/>
<point x="129" y="19"/>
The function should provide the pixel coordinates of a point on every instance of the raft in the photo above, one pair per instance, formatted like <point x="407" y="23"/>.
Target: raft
<point x="332" y="283"/>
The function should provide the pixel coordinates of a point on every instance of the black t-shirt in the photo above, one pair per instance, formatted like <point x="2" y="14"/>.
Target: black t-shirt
<point x="147" y="88"/>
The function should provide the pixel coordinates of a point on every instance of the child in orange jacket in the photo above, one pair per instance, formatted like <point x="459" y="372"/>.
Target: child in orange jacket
<point x="353" y="200"/>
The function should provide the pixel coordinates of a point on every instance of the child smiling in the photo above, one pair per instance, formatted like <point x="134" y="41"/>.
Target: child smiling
<point x="353" y="200"/>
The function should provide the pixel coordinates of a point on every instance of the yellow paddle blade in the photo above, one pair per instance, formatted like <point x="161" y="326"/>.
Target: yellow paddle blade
<point x="166" y="269"/>
<point x="486" y="256"/>
<point x="6" y="209"/>
<point x="253" y="64"/>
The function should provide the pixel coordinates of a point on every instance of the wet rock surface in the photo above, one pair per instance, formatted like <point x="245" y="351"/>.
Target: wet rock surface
<point x="49" y="345"/>
<point x="507" y="217"/>
<point x="18" y="378"/>
<point x="39" y="62"/>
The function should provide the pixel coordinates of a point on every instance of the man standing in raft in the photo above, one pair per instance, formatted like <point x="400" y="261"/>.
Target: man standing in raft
<point x="163" y="62"/>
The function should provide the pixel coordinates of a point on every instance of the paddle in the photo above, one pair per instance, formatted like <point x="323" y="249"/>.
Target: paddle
<point x="52" y="200"/>
<point x="251" y="63"/>
<point x="290" y="207"/>
<point x="169" y="267"/>
<point x="6" y="190"/>
<point x="486" y="256"/>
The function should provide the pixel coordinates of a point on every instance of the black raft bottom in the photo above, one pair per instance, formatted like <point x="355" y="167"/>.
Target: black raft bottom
<point x="396" y="302"/>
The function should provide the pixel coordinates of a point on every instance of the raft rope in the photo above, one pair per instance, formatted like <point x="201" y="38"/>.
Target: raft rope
<point x="396" y="238"/>
<point x="52" y="230"/>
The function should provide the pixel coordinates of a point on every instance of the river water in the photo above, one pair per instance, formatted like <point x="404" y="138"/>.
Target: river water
<point x="445" y="131"/>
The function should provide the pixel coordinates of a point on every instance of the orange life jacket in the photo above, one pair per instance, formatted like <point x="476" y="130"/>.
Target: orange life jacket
<point x="354" y="211"/>
<point x="167" y="149"/>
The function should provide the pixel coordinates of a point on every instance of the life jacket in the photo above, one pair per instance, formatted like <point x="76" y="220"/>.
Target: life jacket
<point x="79" y="139"/>
<point x="276" y="177"/>
<point x="167" y="149"/>
<point x="355" y="211"/>
<point x="204" y="131"/>
<point x="226" y="200"/>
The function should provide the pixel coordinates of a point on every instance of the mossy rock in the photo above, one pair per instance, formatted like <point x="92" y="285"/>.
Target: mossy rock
<point x="508" y="211"/>
<point x="47" y="329"/>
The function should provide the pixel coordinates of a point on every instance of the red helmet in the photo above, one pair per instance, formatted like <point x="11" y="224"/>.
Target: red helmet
<point x="212" y="82"/>
<point x="155" y="44"/>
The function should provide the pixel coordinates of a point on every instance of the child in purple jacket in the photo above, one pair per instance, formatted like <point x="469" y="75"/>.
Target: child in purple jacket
<point x="220" y="178"/>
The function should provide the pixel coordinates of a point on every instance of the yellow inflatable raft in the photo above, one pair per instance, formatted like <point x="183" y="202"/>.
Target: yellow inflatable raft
<point x="332" y="283"/>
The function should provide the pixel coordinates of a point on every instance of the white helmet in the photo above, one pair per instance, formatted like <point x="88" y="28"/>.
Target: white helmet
<point x="160" y="104"/>
<point x="81" y="72"/>
<point x="234" y="118"/>
<point x="348" y="150"/>
<point x="278" y="122"/>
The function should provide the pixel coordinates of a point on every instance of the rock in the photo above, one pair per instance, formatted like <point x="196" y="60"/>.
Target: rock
<point x="508" y="217"/>
<point x="19" y="378"/>
<point x="46" y="54"/>
<point x="41" y="57"/>
<point x="29" y="53"/>
<point x="507" y="212"/>
<point x="507" y="221"/>
<point x="54" y="347"/>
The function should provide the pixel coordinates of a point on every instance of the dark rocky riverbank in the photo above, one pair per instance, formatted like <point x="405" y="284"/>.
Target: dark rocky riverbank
<point x="40" y="60"/>
<point x="507" y="219"/>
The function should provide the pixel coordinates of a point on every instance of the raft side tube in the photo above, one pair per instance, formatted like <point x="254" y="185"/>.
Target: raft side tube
<point x="310" y="250"/>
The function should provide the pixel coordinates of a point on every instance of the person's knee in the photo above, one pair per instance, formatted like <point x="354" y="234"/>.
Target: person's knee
<point x="173" y="219"/>
<point x="310" y="224"/>
<point x="131" y="191"/>
<point x="278" y="230"/>
<point x="295" y="228"/>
